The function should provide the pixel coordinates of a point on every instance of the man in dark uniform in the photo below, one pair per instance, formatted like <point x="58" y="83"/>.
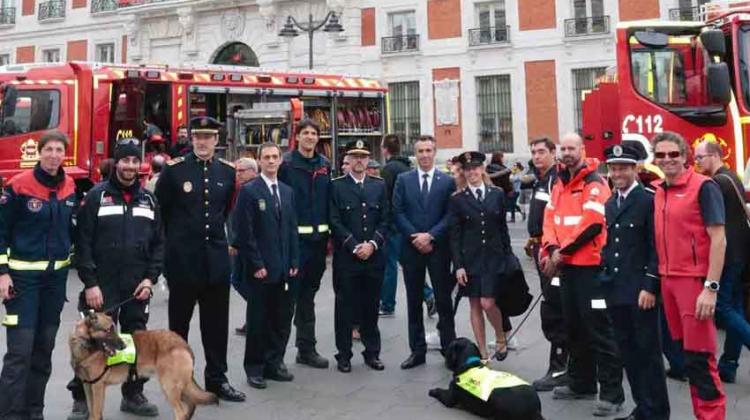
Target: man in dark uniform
<point x="308" y="173"/>
<point x="360" y="217"/>
<point x="196" y="193"/>
<point x="120" y="250"/>
<point x="553" y="325"/>
<point x="631" y="282"/>
<point x="265" y="223"/>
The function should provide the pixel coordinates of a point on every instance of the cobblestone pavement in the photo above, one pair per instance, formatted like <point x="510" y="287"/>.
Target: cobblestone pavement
<point x="393" y="394"/>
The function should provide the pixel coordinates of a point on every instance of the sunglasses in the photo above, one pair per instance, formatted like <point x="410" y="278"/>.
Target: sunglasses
<point x="133" y="141"/>
<point x="662" y="155"/>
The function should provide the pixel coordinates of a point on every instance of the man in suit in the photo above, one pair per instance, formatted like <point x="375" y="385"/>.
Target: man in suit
<point x="196" y="193"/>
<point x="420" y="206"/>
<point x="265" y="225"/>
<point x="631" y="282"/>
<point x="360" y="219"/>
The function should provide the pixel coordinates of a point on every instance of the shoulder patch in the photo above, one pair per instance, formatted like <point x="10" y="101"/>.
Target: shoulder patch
<point x="226" y="162"/>
<point x="175" y="161"/>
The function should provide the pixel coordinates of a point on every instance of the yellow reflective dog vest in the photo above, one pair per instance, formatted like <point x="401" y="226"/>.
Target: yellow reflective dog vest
<point x="480" y="381"/>
<point x="126" y="355"/>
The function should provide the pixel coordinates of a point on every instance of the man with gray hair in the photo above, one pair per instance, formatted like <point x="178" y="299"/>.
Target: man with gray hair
<point x="247" y="169"/>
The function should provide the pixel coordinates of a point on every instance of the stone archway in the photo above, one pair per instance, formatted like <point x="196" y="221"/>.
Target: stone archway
<point x="235" y="54"/>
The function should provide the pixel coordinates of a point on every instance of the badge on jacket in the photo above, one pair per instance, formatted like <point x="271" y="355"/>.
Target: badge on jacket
<point x="34" y="205"/>
<point x="187" y="186"/>
<point x="262" y="205"/>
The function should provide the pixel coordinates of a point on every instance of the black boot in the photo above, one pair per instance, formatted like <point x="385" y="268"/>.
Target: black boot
<point x="80" y="410"/>
<point x="138" y="404"/>
<point x="556" y="374"/>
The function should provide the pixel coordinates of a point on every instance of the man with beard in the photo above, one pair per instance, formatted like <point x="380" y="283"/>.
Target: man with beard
<point x="120" y="249"/>
<point x="574" y="234"/>
<point x="197" y="193"/>
<point x="182" y="146"/>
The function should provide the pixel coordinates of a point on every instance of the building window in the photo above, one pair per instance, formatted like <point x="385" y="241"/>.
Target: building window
<point x="588" y="18"/>
<point x="404" y="37"/>
<point x="4" y="59"/>
<point x="495" y="113"/>
<point x="490" y="22"/>
<point x="105" y="53"/>
<point x="404" y="103"/>
<point x="7" y="12"/>
<point x="687" y="10"/>
<point x="584" y="80"/>
<point x="51" y="55"/>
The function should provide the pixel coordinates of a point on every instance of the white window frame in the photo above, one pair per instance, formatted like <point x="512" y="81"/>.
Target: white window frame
<point x="45" y="51"/>
<point x="8" y="58"/>
<point x="589" y="8"/>
<point x="492" y="7"/>
<point x="97" y="56"/>
<point x="409" y="30"/>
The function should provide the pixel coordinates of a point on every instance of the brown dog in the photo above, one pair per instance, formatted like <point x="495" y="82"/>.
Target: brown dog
<point x="161" y="353"/>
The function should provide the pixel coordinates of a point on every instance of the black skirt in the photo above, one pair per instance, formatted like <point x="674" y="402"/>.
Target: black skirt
<point x="484" y="285"/>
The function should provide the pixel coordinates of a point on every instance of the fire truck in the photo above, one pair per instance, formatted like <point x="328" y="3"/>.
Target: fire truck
<point x="692" y="78"/>
<point x="97" y="104"/>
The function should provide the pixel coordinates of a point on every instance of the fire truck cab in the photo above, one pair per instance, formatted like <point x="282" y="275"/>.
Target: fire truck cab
<point x="692" y="78"/>
<point x="98" y="104"/>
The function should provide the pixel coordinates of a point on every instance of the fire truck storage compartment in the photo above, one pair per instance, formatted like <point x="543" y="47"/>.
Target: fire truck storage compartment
<point x="263" y="122"/>
<point x="158" y="109"/>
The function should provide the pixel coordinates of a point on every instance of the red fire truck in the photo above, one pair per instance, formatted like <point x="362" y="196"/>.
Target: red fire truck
<point x="96" y="104"/>
<point x="689" y="77"/>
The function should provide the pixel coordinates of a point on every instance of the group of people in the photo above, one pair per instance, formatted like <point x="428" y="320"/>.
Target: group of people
<point x="609" y="262"/>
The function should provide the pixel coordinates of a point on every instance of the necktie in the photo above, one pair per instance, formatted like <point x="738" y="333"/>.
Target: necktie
<point x="619" y="200"/>
<point x="479" y="195"/>
<point x="276" y="199"/>
<point x="425" y="187"/>
<point x="361" y="185"/>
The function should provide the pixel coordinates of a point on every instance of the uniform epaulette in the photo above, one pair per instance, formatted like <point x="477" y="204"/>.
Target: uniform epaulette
<point x="226" y="162"/>
<point x="176" y="160"/>
<point x="339" y="177"/>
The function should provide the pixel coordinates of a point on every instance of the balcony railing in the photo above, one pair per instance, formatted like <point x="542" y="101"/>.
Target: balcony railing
<point x="685" y="14"/>
<point x="128" y="3"/>
<point x="98" y="6"/>
<point x="403" y="43"/>
<point x="7" y="16"/>
<point x="489" y="35"/>
<point x="594" y="25"/>
<point x="54" y="9"/>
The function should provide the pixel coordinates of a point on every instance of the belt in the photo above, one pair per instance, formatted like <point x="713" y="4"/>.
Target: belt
<point x="309" y="230"/>
<point x="20" y="265"/>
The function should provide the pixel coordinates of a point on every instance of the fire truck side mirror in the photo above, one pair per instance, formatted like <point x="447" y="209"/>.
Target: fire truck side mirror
<point x="714" y="43"/>
<point x="719" y="86"/>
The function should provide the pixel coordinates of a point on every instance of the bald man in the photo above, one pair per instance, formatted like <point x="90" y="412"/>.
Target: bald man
<point x="574" y="235"/>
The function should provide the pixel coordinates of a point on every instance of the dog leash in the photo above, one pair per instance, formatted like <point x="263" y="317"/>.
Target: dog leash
<point x="130" y="299"/>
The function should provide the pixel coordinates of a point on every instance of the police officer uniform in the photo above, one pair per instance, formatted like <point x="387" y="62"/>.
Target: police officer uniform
<point x="550" y="310"/>
<point x="36" y="224"/>
<point x="360" y="214"/>
<point x="310" y="179"/>
<point x="119" y="244"/>
<point x="631" y="267"/>
<point x="196" y="197"/>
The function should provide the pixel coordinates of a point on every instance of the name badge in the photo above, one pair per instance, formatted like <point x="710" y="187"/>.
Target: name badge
<point x="262" y="205"/>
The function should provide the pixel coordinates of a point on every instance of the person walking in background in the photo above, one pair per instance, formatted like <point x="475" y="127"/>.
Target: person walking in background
<point x="517" y="172"/>
<point x="479" y="241"/>
<point x="730" y="304"/>
<point x="420" y="204"/>
<point x="689" y="221"/>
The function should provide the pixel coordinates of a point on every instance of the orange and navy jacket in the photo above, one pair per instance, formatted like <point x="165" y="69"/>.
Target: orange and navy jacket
<point x="574" y="218"/>
<point x="37" y="214"/>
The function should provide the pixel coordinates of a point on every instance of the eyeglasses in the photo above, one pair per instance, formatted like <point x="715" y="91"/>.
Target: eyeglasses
<point x="672" y="155"/>
<point x="699" y="158"/>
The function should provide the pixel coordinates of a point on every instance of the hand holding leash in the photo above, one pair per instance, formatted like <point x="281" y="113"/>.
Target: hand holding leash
<point x="143" y="291"/>
<point x="94" y="297"/>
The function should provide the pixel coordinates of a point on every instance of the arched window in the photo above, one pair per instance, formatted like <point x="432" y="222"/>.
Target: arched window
<point x="236" y="54"/>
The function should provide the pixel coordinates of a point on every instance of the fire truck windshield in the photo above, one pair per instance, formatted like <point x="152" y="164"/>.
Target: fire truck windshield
<point x="743" y="43"/>
<point x="659" y="74"/>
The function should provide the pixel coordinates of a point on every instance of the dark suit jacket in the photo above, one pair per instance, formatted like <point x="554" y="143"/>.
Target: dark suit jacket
<point x="265" y="240"/>
<point x="478" y="233"/>
<point x="412" y="215"/>
<point x="630" y="255"/>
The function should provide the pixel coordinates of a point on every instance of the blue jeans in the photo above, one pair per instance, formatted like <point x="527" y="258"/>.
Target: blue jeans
<point x="390" y="280"/>
<point x="731" y="312"/>
<point x="238" y="282"/>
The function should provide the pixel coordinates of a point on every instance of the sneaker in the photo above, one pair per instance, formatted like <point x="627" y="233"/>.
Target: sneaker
<point x="80" y="410"/>
<point x="606" y="408"/>
<point x="386" y="314"/>
<point x="431" y="306"/>
<point x="565" y="393"/>
<point x="550" y="381"/>
<point x="433" y="340"/>
<point x="138" y="405"/>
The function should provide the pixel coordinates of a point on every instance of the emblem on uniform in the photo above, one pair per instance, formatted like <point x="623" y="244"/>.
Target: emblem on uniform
<point x="29" y="153"/>
<point x="187" y="186"/>
<point x="595" y="191"/>
<point x="34" y="205"/>
<point x="360" y="144"/>
<point x="617" y="150"/>
<point x="3" y="199"/>
<point x="262" y="205"/>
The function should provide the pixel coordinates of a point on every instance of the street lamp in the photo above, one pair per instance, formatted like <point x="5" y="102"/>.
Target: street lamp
<point x="329" y="24"/>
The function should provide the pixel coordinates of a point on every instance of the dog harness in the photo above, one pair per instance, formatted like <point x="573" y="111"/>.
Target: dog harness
<point x="126" y="355"/>
<point x="481" y="381"/>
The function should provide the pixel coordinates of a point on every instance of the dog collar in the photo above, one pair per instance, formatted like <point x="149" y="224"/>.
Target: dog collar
<point x="472" y="360"/>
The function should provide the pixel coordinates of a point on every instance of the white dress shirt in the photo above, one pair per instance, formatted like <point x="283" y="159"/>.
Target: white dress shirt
<point x="270" y="183"/>
<point x="430" y="177"/>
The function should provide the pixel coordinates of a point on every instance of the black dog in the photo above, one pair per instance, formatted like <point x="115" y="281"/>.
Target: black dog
<point x="486" y="393"/>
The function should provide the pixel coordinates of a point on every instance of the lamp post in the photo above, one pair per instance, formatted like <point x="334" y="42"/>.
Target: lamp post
<point x="329" y="24"/>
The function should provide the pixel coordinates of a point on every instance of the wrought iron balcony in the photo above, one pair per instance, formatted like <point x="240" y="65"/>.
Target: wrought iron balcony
<point x="54" y="9"/>
<point x="402" y="43"/>
<point x="99" y="6"/>
<point x="594" y="25"/>
<point x="685" y="14"/>
<point x="129" y="3"/>
<point x="7" y="16"/>
<point x="489" y="35"/>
